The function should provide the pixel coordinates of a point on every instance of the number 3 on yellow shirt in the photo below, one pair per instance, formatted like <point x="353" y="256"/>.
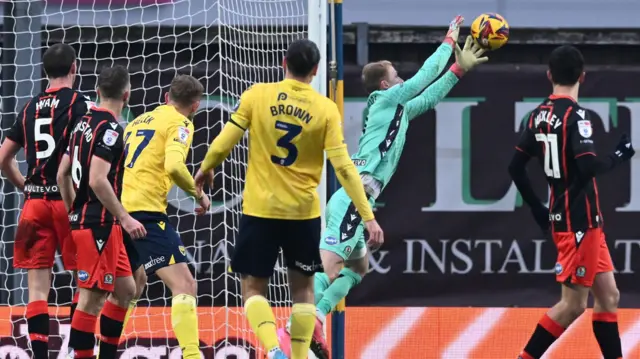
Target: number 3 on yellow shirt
<point x="291" y="131"/>
<point x="147" y="136"/>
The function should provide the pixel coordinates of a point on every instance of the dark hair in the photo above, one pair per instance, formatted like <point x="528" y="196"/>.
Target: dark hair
<point x="113" y="82"/>
<point x="566" y="65"/>
<point x="302" y="56"/>
<point x="185" y="90"/>
<point x="57" y="60"/>
<point x="373" y="73"/>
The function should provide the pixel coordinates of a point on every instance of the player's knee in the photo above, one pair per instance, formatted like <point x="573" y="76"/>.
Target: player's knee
<point x="187" y="285"/>
<point x="39" y="284"/>
<point x="140" y="278"/>
<point x="124" y="292"/>
<point x="252" y="286"/>
<point x="359" y="266"/>
<point x="574" y="308"/>
<point x="610" y="300"/>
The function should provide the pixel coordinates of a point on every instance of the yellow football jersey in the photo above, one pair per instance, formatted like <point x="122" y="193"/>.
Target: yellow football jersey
<point x="148" y="139"/>
<point x="290" y="126"/>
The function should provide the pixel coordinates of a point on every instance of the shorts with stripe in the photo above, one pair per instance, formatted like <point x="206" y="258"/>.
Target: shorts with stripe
<point x="345" y="233"/>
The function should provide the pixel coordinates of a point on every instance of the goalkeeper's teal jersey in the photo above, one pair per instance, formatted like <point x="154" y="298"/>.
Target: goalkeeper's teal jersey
<point x="389" y="113"/>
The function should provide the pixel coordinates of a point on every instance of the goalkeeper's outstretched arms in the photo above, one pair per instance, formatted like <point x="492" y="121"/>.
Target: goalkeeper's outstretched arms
<point x="431" y="68"/>
<point x="466" y="59"/>
<point x="381" y="75"/>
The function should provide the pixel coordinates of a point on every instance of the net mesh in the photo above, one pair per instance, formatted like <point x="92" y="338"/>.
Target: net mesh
<point x="228" y="45"/>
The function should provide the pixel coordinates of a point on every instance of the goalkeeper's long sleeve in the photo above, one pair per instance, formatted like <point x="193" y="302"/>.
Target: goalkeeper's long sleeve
<point x="174" y="165"/>
<point x="350" y="180"/>
<point x="432" y="95"/>
<point x="221" y="146"/>
<point x="429" y="71"/>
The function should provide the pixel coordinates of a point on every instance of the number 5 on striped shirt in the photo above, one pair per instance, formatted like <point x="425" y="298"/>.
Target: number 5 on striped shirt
<point x="147" y="134"/>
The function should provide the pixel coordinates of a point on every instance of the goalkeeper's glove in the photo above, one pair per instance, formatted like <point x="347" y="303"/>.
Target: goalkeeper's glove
<point x="454" y="30"/>
<point x="624" y="150"/>
<point x="468" y="57"/>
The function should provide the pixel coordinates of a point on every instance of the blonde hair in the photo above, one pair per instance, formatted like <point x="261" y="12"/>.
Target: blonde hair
<point x="373" y="73"/>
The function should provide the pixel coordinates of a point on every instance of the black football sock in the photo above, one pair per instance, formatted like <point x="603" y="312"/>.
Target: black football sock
<point x="82" y="336"/>
<point x="605" y="328"/>
<point x="38" y="326"/>
<point x="547" y="331"/>
<point x="111" y="324"/>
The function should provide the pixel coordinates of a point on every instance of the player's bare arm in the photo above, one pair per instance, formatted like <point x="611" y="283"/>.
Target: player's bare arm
<point x="99" y="183"/>
<point x="65" y="182"/>
<point x="8" y="164"/>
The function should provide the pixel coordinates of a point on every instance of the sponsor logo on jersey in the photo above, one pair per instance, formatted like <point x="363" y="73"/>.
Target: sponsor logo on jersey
<point x="585" y="129"/>
<point x="162" y="225"/>
<point x="110" y="137"/>
<point x="359" y="162"/>
<point x="331" y="240"/>
<point x="83" y="276"/>
<point x="108" y="278"/>
<point x="558" y="268"/>
<point x="555" y="217"/>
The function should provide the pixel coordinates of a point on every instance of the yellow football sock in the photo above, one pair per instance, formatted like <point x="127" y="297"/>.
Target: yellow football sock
<point x="262" y="321"/>
<point x="132" y="306"/>
<point x="303" y="322"/>
<point x="184" y="319"/>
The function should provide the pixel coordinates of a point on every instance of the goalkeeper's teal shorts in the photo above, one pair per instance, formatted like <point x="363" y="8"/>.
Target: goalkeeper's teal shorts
<point x="345" y="233"/>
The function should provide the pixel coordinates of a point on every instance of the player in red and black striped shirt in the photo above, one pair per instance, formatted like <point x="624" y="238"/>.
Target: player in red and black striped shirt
<point x="90" y="179"/>
<point x="559" y="134"/>
<point x="42" y="129"/>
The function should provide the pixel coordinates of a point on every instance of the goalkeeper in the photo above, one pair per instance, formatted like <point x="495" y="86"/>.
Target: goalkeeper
<point x="391" y="105"/>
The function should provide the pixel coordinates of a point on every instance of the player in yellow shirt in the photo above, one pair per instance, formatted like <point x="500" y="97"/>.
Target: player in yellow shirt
<point x="157" y="144"/>
<point x="290" y="125"/>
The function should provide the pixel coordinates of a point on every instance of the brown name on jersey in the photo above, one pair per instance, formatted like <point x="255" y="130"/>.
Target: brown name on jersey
<point x="291" y="110"/>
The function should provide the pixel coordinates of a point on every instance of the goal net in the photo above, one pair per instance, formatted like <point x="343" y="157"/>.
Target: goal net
<point x="228" y="45"/>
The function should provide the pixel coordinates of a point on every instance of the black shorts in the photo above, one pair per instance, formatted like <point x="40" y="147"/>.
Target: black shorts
<point x="161" y="247"/>
<point x="260" y="239"/>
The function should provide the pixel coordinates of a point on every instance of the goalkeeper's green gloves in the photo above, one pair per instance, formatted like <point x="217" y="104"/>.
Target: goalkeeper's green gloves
<point x="454" y="31"/>
<point x="468" y="57"/>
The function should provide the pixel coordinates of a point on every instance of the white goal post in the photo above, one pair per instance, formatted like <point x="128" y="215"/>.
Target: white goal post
<point x="228" y="45"/>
